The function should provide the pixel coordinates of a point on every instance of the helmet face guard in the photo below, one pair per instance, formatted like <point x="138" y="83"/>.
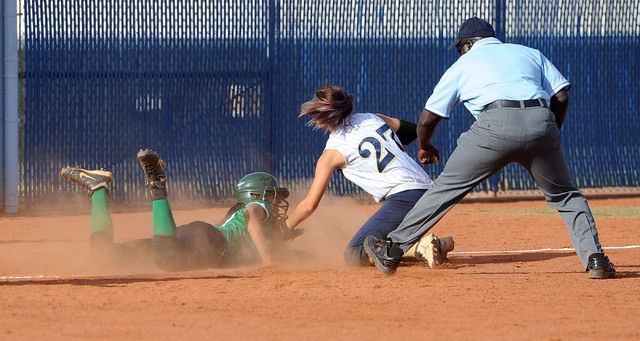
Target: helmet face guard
<point x="276" y="197"/>
<point x="264" y="186"/>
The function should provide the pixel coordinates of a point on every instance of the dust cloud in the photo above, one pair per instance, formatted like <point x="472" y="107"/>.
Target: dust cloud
<point x="56" y="242"/>
<point x="330" y="228"/>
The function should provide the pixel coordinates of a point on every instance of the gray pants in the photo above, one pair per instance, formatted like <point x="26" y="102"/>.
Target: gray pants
<point x="501" y="136"/>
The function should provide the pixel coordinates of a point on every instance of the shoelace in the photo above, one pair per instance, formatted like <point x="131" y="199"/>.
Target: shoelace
<point x="152" y="175"/>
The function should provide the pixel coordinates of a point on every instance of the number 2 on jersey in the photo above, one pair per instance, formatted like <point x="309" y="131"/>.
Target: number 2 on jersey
<point x="365" y="153"/>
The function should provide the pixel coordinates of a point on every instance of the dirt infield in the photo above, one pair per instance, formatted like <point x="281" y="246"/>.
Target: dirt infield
<point x="508" y="278"/>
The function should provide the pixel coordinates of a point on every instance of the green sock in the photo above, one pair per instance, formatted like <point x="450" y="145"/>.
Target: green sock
<point x="100" y="216"/>
<point x="163" y="223"/>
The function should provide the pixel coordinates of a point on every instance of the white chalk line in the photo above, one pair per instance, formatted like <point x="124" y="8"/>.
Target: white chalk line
<point x="451" y="253"/>
<point x="30" y="277"/>
<point x="538" y="250"/>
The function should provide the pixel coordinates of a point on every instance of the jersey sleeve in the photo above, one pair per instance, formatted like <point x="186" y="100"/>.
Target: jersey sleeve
<point x="266" y="207"/>
<point x="552" y="80"/>
<point x="446" y="95"/>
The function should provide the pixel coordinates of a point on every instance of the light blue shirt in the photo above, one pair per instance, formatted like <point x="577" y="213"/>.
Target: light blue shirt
<point x="492" y="70"/>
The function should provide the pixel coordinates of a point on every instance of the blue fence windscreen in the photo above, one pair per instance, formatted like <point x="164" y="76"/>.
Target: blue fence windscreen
<point x="216" y="86"/>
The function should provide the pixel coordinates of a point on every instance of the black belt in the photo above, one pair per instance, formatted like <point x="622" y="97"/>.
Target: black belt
<point x="503" y="103"/>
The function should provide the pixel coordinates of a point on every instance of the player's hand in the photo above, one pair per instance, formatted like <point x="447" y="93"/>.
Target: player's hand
<point x="292" y="232"/>
<point x="428" y="155"/>
<point x="296" y="232"/>
<point x="286" y="232"/>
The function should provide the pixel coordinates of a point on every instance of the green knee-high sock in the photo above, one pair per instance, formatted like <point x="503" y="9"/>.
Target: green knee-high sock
<point x="163" y="223"/>
<point x="100" y="216"/>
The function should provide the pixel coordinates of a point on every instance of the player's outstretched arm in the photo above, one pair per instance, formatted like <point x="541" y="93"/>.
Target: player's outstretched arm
<point x="254" y="215"/>
<point x="427" y="124"/>
<point x="329" y="161"/>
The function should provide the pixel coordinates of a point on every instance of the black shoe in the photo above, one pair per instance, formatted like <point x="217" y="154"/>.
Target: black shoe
<point x="600" y="267"/>
<point x="365" y="260"/>
<point x="91" y="180"/>
<point x="154" y="169"/>
<point x="386" y="255"/>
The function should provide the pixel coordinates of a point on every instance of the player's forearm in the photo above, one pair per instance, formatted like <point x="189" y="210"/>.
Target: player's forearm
<point x="560" y="106"/>
<point x="254" y="215"/>
<point x="260" y="241"/>
<point x="303" y="211"/>
<point x="327" y="163"/>
<point x="426" y="127"/>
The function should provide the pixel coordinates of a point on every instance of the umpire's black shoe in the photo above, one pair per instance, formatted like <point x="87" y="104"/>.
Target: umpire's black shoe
<point x="384" y="253"/>
<point x="154" y="169"/>
<point x="600" y="267"/>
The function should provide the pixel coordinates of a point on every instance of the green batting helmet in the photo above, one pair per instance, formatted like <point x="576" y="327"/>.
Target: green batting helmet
<point x="260" y="184"/>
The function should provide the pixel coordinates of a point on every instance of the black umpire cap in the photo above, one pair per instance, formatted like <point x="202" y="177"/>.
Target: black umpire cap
<point x="473" y="27"/>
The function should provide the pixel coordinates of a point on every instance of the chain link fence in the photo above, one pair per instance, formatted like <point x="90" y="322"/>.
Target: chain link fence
<point x="215" y="86"/>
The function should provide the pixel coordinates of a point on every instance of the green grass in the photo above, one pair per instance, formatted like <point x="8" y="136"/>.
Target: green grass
<point x="628" y="212"/>
<point x="598" y="212"/>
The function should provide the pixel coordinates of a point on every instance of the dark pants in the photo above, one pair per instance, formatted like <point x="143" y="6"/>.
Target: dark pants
<point x="198" y="245"/>
<point x="385" y="220"/>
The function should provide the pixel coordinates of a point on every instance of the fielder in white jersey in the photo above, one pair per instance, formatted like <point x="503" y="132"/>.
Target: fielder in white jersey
<point x="368" y="150"/>
<point x="374" y="157"/>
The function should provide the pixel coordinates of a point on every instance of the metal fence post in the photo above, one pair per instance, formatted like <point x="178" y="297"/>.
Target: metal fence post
<point x="500" y="19"/>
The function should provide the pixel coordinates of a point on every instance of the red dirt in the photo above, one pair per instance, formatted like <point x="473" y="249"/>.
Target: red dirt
<point x="51" y="290"/>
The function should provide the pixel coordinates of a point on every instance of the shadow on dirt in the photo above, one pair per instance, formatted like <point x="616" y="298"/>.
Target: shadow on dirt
<point x="470" y="260"/>
<point x="464" y="260"/>
<point x="630" y="274"/>
<point x="112" y="281"/>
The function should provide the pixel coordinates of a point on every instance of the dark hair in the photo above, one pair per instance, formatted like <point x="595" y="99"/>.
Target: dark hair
<point x="330" y="107"/>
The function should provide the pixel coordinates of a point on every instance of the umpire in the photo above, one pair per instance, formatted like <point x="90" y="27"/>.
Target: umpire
<point x="519" y="100"/>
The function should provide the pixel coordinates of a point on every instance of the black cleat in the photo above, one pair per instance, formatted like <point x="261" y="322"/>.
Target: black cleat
<point x="600" y="267"/>
<point x="386" y="255"/>
<point x="91" y="180"/>
<point x="154" y="169"/>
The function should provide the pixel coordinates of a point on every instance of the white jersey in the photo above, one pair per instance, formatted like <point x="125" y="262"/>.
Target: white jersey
<point x="374" y="157"/>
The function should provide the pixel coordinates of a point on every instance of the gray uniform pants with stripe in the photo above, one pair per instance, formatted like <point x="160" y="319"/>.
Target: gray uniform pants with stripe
<point x="501" y="136"/>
